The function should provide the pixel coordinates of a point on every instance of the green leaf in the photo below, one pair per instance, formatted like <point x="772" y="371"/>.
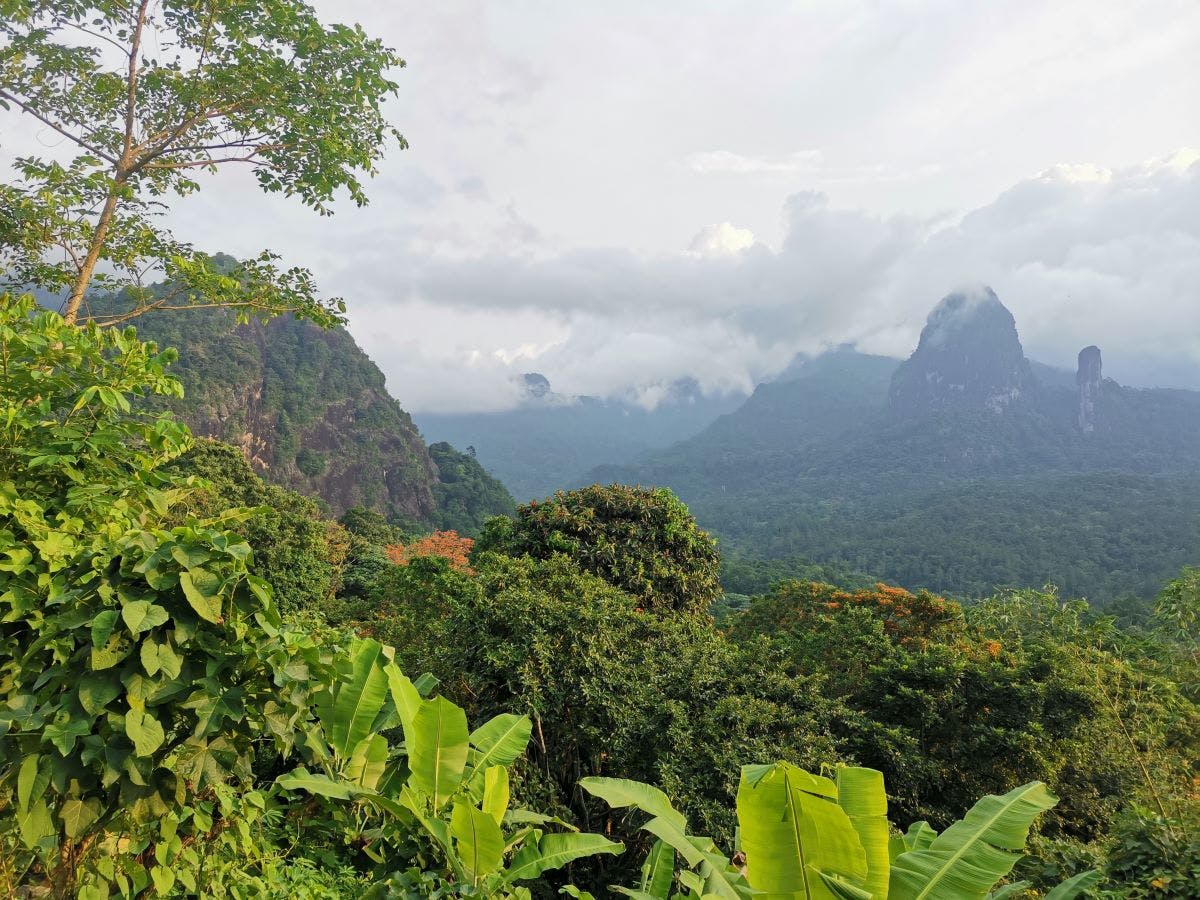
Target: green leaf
<point x="145" y="732"/>
<point x="478" y="839"/>
<point x="97" y="690"/>
<point x="554" y="851"/>
<point x="792" y="833"/>
<point x="77" y="815"/>
<point x="26" y="778"/>
<point x="322" y="785"/>
<point x="658" y="872"/>
<point x="967" y="859"/>
<point x="357" y="700"/>
<point x="202" y="590"/>
<point x="438" y="754"/>
<point x="497" y="742"/>
<point x="1074" y="886"/>
<point x="622" y="792"/>
<point x="102" y="626"/>
<point x="1009" y="890"/>
<point x="861" y="796"/>
<point x="368" y="761"/>
<point x="35" y="824"/>
<point x="405" y="698"/>
<point x="142" y="615"/>
<point x="496" y="793"/>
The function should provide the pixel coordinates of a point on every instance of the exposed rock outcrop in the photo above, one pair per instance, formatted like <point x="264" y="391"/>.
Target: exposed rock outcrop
<point x="1088" y="380"/>
<point x="969" y="356"/>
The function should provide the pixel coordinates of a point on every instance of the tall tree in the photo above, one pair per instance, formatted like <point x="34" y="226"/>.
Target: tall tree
<point x="143" y="96"/>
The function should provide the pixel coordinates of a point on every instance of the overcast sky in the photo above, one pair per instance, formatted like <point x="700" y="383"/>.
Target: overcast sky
<point x="617" y="194"/>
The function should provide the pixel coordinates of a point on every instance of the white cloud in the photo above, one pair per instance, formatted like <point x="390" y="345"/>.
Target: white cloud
<point x="725" y="239"/>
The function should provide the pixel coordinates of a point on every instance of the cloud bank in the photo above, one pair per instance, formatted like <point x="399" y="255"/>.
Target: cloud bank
<point x="1080" y="254"/>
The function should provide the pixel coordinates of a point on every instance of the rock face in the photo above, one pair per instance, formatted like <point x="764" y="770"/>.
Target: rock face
<point x="969" y="357"/>
<point x="1088" y="379"/>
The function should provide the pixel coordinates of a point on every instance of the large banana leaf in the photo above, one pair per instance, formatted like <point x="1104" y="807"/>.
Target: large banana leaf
<point x="497" y="742"/>
<point x="405" y="697"/>
<point x="478" y="839"/>
<point x="622" y="792"/>
<point x="658" y="872"/>
<point x="793" y="833"/>
<point x="496" y="792"/>
<point x="966" y="860"/>
<point x="438" y="752"/>
<point x="861" y="796"/>
<point x="554" y="851"/>
<point x="368" y="761"/>
<point x="356" y="700"/>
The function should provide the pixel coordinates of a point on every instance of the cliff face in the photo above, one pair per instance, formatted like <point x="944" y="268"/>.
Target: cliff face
<point x="969" y="356"/>
<point x="1088" y="381"/>
<point x="307" y="407"/>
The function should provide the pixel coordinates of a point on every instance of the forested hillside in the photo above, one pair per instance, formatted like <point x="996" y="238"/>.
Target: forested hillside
<point x="311" y="412"/>
<point x="960" y="470"/>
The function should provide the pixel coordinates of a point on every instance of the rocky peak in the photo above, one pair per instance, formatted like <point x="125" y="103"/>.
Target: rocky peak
<point x="969" y="356"/>
<point x="535" y="385"/>
<point x="1088" y="378"/>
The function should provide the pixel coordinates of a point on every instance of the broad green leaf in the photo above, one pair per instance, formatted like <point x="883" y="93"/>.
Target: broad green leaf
<point x="96" y="690"/>
<point x="554" y="851"/>
<point x="1074" y="886"/>
<point x="861" y="796"/>
<point x="77" y="815"/>
<point x="142" y="615"/>
<point x="966" y="860"/>
<point x="358" y="699"/>
<point x="478" y="838"/>
<point x="26" y="779"/>
<point x="35" y="824"/>
<point x="145" y="731"/>
<point x="164" y="879"/>
<point x="438" y="753"/>
<point x="792" y="836"/>
<point x="658" y="871"/>
<point x="622" y="792"/>
<point x="303" y="780"/>
<point x="368" y="761"/>
<point x="498" y="742"/>
<point x="102" y="626"/>
<point x="496" y="792"/>
<point x="667" y="831"/>
<point x="405" y="697"/>
<point x="201" y="589"/>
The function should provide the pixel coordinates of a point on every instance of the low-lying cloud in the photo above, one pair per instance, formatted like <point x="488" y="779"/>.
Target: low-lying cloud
<point x="1080" y="254"/>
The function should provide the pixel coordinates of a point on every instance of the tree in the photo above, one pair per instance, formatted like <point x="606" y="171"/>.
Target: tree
<point x="641" y="540"/>
<point x="146" y="96"/>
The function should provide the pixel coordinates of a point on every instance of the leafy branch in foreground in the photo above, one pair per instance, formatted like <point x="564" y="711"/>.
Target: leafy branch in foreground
<point x="148" y="95"/>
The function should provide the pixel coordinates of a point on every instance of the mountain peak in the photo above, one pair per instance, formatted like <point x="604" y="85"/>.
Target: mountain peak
<point x="969" y="356"/>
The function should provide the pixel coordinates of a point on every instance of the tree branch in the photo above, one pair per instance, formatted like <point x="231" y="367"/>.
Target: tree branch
<point x="86" y="145"/>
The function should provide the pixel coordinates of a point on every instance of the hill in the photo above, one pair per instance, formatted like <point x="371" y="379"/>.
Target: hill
<point x="311" y="413"/>
<point x="963" y="468"/>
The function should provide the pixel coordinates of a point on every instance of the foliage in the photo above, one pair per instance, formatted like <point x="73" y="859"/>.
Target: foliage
<point x="946" y="702"/>
<point x="611" y="689"/>
<point x="448" y="545"/>
<point x="643" y="541"/>
<point x="465" y="494"/>
<point x="139" y="662"/>
<point x="193" y="87"/>
<point x="1152" y="857"/>
<point x="450" y="790"/>
<point x="297" y="550"/>
<point x="810" y="837"/>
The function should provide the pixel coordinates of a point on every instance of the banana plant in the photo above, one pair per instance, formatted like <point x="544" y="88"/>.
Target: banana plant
<point x="446" y="782"/>
<point x="813" y="838"/>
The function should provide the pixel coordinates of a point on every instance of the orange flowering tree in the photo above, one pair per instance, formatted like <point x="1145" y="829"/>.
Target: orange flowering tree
<point x="449" y="545"/>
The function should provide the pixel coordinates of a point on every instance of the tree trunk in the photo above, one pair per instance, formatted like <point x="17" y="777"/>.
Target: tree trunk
<point x="88" y="268"/>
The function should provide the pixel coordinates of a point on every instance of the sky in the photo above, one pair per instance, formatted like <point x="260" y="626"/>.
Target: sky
<point x="620" y="194"/>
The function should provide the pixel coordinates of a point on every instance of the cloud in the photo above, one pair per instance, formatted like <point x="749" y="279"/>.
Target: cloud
<point x="726" y="161"/>
<point x="725" y="239"/>
<point x="1079" y="254"/>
